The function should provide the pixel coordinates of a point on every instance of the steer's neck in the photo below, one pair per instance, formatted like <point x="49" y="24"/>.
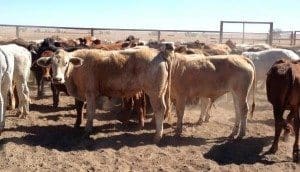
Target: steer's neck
<point x="167" y="55"/>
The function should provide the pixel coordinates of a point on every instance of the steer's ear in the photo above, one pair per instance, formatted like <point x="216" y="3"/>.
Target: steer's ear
<point x="76" y="61"/>
<point x="44" y="61"/>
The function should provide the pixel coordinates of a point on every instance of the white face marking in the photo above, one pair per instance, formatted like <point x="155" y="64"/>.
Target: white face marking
<point x="59" y="67"/>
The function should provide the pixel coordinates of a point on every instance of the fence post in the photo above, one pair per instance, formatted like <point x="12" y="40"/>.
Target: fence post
<point x="92" y="31"/>
<point x="271" y="34"/>
<point x="158" y="36"/>
<point x="243" y="41"/>
<point x="267" y="40"/>
<point x="292" y="38"/>
<point x="295" y="37"/>
<point x="17" y="31"/>
<point x="221" y="32"/>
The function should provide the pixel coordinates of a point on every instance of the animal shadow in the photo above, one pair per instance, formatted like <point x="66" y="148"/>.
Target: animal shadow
<point x="244" y="151"/>
<point x="66" y="138"/>
<point x="49" y="108"/>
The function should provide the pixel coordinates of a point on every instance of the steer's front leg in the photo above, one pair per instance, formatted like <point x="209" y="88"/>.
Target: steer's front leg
<point x="180" y="106"/>
<point x="296" y="143"/>
<point x="79" y="106"/>
<point x="91" y="104"/>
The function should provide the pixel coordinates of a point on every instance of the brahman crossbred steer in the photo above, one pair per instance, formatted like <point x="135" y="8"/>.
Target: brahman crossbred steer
<point x="211" y="77"/>
<point x="89" y="74"/>
<point x="283" y="92"/>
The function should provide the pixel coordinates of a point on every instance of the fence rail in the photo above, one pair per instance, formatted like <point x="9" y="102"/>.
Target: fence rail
<point x="32" y="32"/>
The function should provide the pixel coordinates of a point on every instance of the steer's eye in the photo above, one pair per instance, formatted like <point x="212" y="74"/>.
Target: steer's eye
<point x="66" y="63"/>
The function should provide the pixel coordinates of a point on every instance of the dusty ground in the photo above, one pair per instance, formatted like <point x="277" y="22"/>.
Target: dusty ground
<point x="46" y="141"/>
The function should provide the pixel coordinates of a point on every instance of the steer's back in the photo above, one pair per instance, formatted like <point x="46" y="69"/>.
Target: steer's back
<point x="115" y="73"/>
<point x="211" y="76"/>
<point x="283" y="84"/>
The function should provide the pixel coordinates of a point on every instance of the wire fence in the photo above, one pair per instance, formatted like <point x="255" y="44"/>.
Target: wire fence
<point x="114" y="34"/>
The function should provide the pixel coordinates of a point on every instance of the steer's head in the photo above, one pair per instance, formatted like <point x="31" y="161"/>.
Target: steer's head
<point x="59" y="63"/>
<point x="167" y="48"/>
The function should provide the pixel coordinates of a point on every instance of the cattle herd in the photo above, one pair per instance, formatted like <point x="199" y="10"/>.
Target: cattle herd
<point x="160" y="75"/>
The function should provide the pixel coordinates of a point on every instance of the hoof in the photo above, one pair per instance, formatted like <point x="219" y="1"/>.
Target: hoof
<point x="239" y="138"/>
<point x="76" y="125"/>
<point x="9" y="107"/>
<point x="22" y="116"/>
<point x="296" y="156"/>
<point x="200" y="122"/>
<point x="178" y="135"/>
<point x="40" y="94"/>
<point x="19" y="113"/>
<point x="86" y="135"/>
<point x="285" y="137"/>
<point x="140" y="127"/>
<point x="272" y="150"/>
<point x="88" y="130"/>
<point x="178" y="132"/>
<point x="231" y="136"/>
<point x="157" y="139"/>
<point x="207" y="119"/>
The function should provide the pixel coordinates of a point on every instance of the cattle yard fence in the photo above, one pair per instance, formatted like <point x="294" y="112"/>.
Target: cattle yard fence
<point x="30" y="32"/>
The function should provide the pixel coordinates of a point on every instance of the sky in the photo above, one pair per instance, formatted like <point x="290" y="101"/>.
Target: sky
<point x="152" y="14"/>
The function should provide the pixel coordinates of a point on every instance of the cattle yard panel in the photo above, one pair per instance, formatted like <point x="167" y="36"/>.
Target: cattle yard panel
<point x="243" y="33"/>
<point x="7" y="32"/>
<point x="297" y="38"/>
<point x="190" y="36"/>
<point x="41" y="33"/>
<point x="28" y="32"/>
<point x="115" y="35"/>
<point x="250" y="38"/>
<point x="283" y="38"/>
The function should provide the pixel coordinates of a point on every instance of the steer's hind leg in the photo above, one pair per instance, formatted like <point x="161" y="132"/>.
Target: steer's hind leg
<point x="23" y="93"/>
<point x="241" y="110"/>
<point x="205" y="105"/>
<point x="202" y="111"/>
<point x="91" y="108"/>
<point x="289" y="125"/>
<point x="243" y="115"/>
<point x="2" y="111"/>
<point x="180" y="106"/>
<point x="237" y="116"/>
<point x="296" y="143"/>
<point x="4" y="88"/>
<point x="208" y="109"/>
<point x="159" y="109"/>
<point x="278" y="116"/>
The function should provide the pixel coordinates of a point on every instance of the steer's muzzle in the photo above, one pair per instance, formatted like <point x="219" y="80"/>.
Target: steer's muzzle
<point x="47" y="78"/>
<point x="170" y="47"/>
<point x="57" y="80"/>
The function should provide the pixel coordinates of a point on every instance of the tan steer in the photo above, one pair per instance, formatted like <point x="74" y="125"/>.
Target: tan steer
<point x="89" y="74"/>
<point x="211" y="77"/>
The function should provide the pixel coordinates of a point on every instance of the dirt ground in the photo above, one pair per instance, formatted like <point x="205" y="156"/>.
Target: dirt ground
<point x="47" y="141"/>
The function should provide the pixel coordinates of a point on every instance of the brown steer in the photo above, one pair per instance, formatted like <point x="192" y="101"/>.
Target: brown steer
<point x="283" y="91"/>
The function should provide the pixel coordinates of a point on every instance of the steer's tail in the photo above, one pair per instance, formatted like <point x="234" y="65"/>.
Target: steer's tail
<point x="254" y="85"/>
<point x="168" y="92"/>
